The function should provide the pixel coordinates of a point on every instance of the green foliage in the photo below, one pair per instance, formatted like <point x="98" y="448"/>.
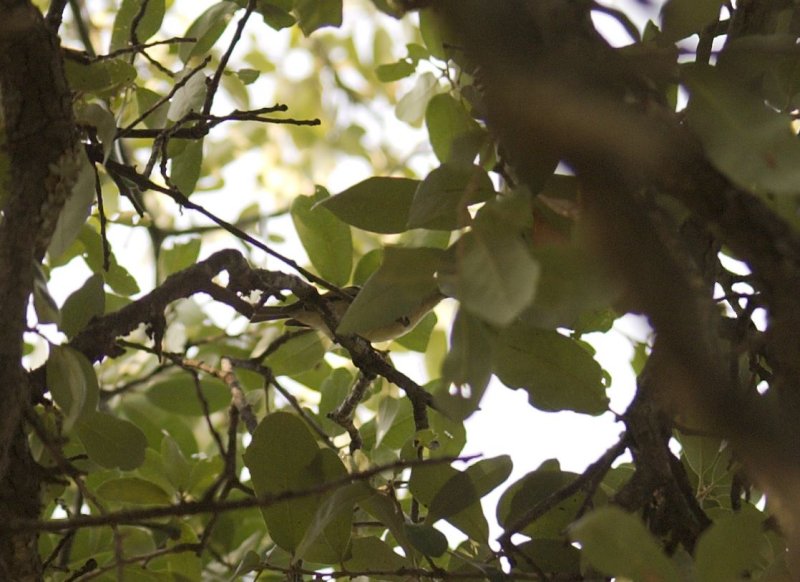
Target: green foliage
<point x="618" y="543"/>
<point x="378" y="205"/>
<point x="326" y="239"/>
<point x="278" y="454"/>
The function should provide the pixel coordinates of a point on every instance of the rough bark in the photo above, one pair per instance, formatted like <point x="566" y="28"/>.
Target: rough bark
<point x="40" y="144"/>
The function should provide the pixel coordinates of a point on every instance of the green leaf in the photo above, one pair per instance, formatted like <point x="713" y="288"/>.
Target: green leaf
<point x="117" y="277"/>
<point x="99" y="117"/>
<point x="99" y="76"/>
<point x="147" y="26"/>
<point x="573" y="285"/>
<point x="394" y="422"/>
<point x="447" y="121"/>
<point x="427" y="482"/>
<point x="145" y="99"/>
<point x="178" y="394"/>
<point x="371" y="553"/>
<point x="385" y="509"/>
<point x="43" y="303"/>
<point x="412" y="106"/>
<point x="466" y="488"/>
<point x="283" y="456"/>
<point x="618" y="543"/>
<point x="748" y="141"/>
<point x="334" y="390"/>
<point x="335" y="507"/>
<point x="331" y="537"/>
<point x="76" y="209"/>
<point x="552" y="557"/>
<point x="395" y="71"/>
<point x="404" y="282"/>
<point x="377" y="204"/>
<point x="111" y="442"/>
<point x="82" y="305"/>
<point x="177" y="468"/>
<point x="186" y="166"/>
<point x="442" y="199"/>
<point x="297" y="355"/>
<point x="682" y="18"/>
<point x="366" y="266"/>
<point x="417" y="339"/>
<point x="134" y="490"/>
<point x="248" y="76"/>
<point x="315" y="14"/>
<point x="189" y="98"/>
<point x="207" y="28"/>
<point x="326" y="238"/>
<point x="556" y="371"/>
<point x="731" y="547"/>
<point x="468" y="363"/>
<point x="430" y="28"/>
<point x="276" y="17"/>
<point x="427" y="539"/>
<point x="531" y="490"/>
<point x="68" y="382"/>
<point x="491" y="271"/>
<point x="179" y="256"/>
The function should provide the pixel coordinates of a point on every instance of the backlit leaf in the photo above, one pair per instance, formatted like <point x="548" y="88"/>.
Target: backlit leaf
<point x="426" y="484"/>
<point x="111" y="442"/>
<point x="733" y="545"/>
<point x="442" y="199"/>
<point x="82" y="305"/>
<point x="404" y="282"/>
<point x="76" y="209"/>
<point x="283" y="456"/>
<point x="43" y="303"/>
<point x="411" y="107"/>
<point x="557" y="373"/>
<point x="189" y="98"/>
<point x="685" y="17"/>
<point x="377" y="204"/>
<point x="207" y="28"/>
<point x="99" y="76"/>
<point x="325" y="237"/>
<point x="749" y="142"/>
<point x="448" y="121"/>
<point x="186" y="166"/>
<point x="395" y="71"/>
<point x="618" y="543"/>
<point x="179" y="256"/>
<point x="178" y="394"/>
<point x="491" y="271"/>
<point x="67" y="382"/>
<point x="427" y="539"/>
<point x="467" y="367"/>
<point x="133" y="490"/>
<point x="177" y="468"/>
<point x="147" y="26"/>
<point x="297" y="355"/>
<point x="314" y="14"/>
<point x="373" y="554"/>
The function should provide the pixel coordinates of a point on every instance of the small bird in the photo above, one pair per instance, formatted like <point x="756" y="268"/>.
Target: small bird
<point x="302" y="315"/>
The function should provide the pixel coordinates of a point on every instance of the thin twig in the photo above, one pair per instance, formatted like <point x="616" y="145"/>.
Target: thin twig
<point x="598" y="468"/>
<point x="188" y="508"/>
<point x="213" y="84"/>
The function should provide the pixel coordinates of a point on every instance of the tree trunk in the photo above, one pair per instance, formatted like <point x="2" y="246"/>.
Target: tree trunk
<point x="40" y="145"/>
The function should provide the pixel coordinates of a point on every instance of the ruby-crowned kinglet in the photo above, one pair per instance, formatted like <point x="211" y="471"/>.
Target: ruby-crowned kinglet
<point x="300" y="314"/>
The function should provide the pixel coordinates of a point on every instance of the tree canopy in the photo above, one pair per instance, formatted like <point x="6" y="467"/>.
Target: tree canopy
<point x="221" y="225"/>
